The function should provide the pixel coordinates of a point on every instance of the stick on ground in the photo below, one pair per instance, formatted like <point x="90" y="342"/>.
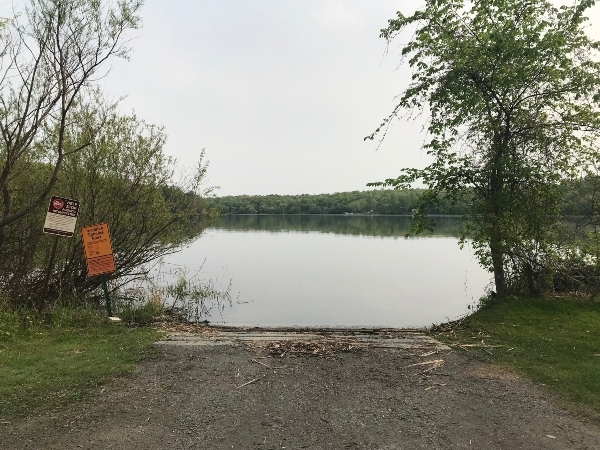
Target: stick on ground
<point x="249" y="382"/>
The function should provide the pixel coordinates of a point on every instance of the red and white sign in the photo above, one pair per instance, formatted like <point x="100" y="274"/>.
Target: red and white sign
<point x="61" y="217"/>
<point x="58" y="203"/>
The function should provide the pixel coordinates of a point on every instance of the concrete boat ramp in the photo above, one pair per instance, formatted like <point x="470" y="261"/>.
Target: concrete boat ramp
<point x="385" y="338"/>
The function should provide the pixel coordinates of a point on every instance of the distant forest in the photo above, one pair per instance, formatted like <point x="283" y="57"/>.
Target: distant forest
<point x="356" y="202"/>
<point x="578" y="200"/>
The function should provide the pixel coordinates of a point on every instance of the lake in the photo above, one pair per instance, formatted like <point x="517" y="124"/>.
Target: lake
<point x="347" y="271"/>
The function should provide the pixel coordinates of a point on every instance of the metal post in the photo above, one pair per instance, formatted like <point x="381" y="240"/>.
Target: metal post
<point x="42" y="300"/>
<point x="106" y="296"/>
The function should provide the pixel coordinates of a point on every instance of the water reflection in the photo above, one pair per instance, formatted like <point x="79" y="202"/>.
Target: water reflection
<point x="336" y="271"/>
<point x="357" y="225"/>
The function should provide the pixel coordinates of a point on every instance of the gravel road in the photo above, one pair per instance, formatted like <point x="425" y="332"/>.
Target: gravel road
<point x="249" y="395"/>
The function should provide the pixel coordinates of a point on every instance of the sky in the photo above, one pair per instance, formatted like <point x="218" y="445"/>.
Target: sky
<point x="280" y="94"/>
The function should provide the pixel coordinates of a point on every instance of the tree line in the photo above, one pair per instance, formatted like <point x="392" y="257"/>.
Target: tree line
<point x="387" y="201"/>
<point x="578" y="199"/>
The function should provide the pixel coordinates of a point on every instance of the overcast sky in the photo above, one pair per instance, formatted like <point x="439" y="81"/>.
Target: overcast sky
<point x="279" y="93"/>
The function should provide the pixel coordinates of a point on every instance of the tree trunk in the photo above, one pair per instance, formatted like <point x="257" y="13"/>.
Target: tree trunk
<point x="496" y="217"/>
<point x="498" y="265"/>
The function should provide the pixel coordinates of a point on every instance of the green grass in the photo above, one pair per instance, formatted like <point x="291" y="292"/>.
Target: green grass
<point x="553" y="341"/>
<point x="51" y="365"/>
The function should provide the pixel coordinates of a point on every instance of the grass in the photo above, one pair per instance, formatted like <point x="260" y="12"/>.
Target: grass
<point x="553" y="341"/>
<point x="52" y="360"/>
<point x="52" y="364"/>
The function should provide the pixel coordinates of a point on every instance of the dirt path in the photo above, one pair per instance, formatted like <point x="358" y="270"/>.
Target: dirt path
<point x="244" y="395"/>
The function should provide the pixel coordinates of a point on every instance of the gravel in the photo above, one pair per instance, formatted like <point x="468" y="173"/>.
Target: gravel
<point x="237" y="396"/>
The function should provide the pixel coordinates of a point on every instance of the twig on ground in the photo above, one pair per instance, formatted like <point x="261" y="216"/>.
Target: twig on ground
<point x="323" y="349"/>
<point x="269" y="367"/>
<point x="434" y="364"/>
<point x="262" y="364"/>
<point x="250" y="382"/>
<point x="479" y="345"/>
<point x="457" y="324"/>
<point x="435" y="385"/>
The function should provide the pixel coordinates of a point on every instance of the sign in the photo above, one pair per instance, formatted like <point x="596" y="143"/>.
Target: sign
<point x="61" y="216"/>
<point x="98" y="249"/>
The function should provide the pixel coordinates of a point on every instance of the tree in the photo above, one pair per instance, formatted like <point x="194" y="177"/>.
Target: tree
<point x="511" y="88"/>
<point x="46" y="64"/>
<point x="124" y="179"/>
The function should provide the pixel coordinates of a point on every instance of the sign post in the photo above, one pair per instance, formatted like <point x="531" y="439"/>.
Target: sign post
<point x="61" y="219"/>
<point x="99" y="255"/>
<point x="106" y="296"/>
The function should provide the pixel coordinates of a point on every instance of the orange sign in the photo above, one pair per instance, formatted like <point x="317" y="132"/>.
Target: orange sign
<point x="98" y="249"/>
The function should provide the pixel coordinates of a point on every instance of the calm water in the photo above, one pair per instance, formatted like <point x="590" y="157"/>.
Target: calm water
<point x="336" y="271"/>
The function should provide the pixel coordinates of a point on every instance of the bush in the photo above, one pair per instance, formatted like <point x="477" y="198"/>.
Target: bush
<point x="122" y="178"/>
